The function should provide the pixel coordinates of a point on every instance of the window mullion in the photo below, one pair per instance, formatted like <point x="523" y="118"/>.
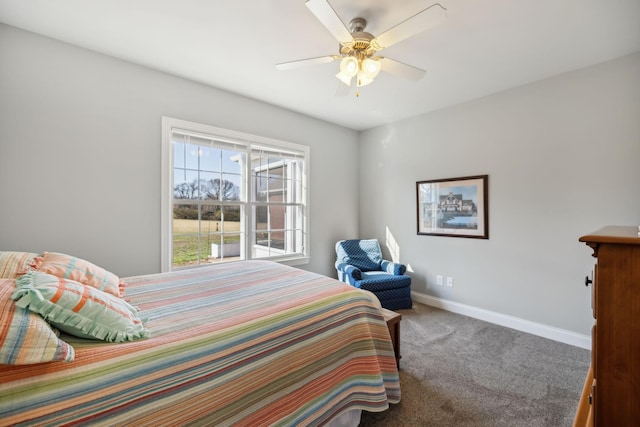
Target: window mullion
<point x="248" y="196"/>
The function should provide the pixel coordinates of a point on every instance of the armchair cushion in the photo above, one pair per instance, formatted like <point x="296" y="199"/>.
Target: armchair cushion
<point x="363" y="254"/>
<point x="379" y="280"/>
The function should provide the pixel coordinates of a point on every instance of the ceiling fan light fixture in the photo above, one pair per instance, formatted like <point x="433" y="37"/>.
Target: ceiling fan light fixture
<point x="371" y="68"/>
<point x="349" y="66"/>
<point x="344" y="78"/>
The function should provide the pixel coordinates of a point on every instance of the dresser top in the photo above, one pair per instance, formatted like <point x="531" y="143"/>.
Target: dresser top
<point x="616" y="234"/>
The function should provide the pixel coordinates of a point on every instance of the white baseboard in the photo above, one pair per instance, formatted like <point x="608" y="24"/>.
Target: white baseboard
<point x="556" y="334"/>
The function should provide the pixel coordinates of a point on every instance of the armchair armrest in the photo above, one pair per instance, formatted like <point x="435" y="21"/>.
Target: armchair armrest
<point x="394" y="268"/>
<point x="348" y="273"/>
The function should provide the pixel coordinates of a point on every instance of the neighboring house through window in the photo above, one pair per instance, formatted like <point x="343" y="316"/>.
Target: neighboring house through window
<point x="228" y="196"/>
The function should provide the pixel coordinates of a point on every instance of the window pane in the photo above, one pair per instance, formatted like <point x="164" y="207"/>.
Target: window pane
<point x="192" y="156"/>
<point x="216" y="247"/>
<point x="185" y="184"/>
<point x="212" y="238"/>
<point x="277" y="218"/>
<point x="178" y="154"/>
<point x="231" y="186"/>
<point x="231" y="216"/>
<point x="261" y="217"/>
<point x="226" y="249"/>
<point x="231" y="161"/>
<point x="260" y="186"/>
<point x="292" y="193"/>
<point x="185" y="250"/>
<point x="262" y="238"/>
<point x="184" y="212"/>
<point x="277" y="190"/>
<point x="276" y="172"/>
<point x="271" y="161"/>
<point x="222" y="189"/>
<point x="277" y="227"/>
<point x="205" y="185"/>
<point x="209" y="158"/>
<point x="230" y="232"/>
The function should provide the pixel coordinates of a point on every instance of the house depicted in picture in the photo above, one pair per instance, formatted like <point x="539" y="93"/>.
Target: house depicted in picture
<point x="456" y="204"/>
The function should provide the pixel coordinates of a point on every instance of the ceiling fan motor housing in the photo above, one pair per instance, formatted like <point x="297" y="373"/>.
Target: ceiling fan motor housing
<point x="361" y="46"/>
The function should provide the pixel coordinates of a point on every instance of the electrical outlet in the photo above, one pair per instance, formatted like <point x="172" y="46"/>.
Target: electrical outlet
<point x="449" y="281"/>
<point x="439" y="280"/>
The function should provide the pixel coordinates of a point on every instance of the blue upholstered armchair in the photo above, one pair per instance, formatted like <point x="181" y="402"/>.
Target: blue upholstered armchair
<point x="359" y="263"/>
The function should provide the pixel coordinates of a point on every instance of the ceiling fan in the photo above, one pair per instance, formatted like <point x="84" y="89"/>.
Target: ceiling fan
<point x="358" y="48"/>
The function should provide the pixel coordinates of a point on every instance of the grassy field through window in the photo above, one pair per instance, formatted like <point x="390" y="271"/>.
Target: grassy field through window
<point x="189" y="234"/>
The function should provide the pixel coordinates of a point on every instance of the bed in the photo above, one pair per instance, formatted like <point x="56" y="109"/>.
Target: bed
<point x="247" y="343"/>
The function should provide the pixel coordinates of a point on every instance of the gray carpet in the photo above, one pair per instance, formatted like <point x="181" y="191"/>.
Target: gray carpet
<point x="463" y="372"/>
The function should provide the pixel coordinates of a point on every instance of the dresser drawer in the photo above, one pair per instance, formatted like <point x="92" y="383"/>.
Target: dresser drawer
<point x="584" y="413"/>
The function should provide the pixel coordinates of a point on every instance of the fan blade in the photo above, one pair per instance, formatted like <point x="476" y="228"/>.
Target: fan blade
<point x="400" y="69"/>
<point x="304" y="62"/>
<point x="330" y="19"/>
<point x="428" y="18"/>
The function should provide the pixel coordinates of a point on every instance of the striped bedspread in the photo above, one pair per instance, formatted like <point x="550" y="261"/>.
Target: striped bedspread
<point x="249" y="343"/>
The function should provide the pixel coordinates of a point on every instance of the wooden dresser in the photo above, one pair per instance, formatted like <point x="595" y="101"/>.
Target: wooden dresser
<point x="611" y="395"/>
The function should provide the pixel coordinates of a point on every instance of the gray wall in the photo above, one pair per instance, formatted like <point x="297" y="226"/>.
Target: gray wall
<point x="80" y="154"/>
<point x="563" y="159"/>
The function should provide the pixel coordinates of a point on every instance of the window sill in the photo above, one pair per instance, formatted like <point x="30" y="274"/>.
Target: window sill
<point x="293" y="261"/>
<point x="286" y="260"/>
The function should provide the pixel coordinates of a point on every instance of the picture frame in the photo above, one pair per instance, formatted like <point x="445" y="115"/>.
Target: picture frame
<point x="453" y="207"/>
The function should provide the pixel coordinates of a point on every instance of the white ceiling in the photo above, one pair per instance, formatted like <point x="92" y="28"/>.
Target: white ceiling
<point x="483" y="47"/>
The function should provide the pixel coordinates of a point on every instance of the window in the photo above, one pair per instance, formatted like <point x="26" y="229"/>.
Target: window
<point x="228" y="196"/>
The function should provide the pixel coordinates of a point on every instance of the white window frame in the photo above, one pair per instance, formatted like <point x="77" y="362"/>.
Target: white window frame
<point x="244" y="139"/>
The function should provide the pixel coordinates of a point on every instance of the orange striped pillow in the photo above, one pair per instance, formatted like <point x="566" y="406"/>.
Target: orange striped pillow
<point x="79" y="270"/>
<point x="25" y="338"/>
<point x="13" y="264"/>
<point x="79" y="310"/>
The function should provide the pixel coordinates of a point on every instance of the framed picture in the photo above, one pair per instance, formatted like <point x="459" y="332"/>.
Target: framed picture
<point x="455" y="207"/>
